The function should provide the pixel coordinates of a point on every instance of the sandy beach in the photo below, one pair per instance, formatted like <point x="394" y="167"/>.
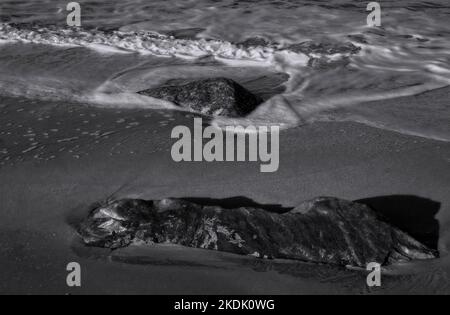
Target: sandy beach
<point x="90" y="96"/>
<point x="94" y="154"/>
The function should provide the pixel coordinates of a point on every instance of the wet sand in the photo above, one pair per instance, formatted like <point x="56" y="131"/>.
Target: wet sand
<point x="57" y="159"/>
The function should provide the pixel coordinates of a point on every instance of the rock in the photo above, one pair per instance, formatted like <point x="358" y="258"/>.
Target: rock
<point x="254" y="42"/>
<point x="218" y="97"/>
<point x="324" y="48"/>
<point x="324" y="230"/>
<point x="321" y="54"/>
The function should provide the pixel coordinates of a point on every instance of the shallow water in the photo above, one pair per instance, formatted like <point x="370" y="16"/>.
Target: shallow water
<point x="124" y="46"/>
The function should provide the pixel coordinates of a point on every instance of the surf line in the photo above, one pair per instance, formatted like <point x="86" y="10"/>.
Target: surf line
<point x="230" y="144"/>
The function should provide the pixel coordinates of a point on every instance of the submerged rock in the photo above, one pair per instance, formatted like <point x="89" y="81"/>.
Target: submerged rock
<point x="325" y="48"/>
<point x="218" y="97"/>
<point x="321" y="53"/>
<point x="324" y="230"/>
<point x="254" y="42"/>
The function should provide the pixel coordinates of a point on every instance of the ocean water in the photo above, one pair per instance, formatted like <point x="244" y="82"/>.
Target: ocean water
<point x="334" y="62"/>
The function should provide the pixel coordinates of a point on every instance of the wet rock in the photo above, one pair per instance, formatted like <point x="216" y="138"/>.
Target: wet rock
<point x="218" y="96"/>
<point x="324" y="48"/>
<point x="254" y="42"/>
<point x="321" y="53"/>
<point x="324" y="230"/>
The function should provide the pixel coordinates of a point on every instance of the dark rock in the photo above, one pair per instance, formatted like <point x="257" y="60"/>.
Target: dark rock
<point x="218" y="97"/>
<point x="254" y="42"/>
<point x="324" y="48"/>
<point x="324" y="230"/>
<point x="320" y="52"/>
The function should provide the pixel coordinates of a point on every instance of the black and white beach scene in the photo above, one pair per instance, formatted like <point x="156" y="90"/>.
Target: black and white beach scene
<point x="222" y="147"/>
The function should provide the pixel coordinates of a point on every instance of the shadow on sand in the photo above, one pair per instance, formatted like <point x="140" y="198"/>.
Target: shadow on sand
<point x="412" y="214"/>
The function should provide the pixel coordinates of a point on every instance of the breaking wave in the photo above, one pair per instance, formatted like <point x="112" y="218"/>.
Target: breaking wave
<point x="143" y="42"/>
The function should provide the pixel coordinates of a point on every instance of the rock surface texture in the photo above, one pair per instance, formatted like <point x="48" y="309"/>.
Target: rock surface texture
<point x="324" y="230"/>
<point x="323" y="55"/>
<point x="218" y="97"/>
